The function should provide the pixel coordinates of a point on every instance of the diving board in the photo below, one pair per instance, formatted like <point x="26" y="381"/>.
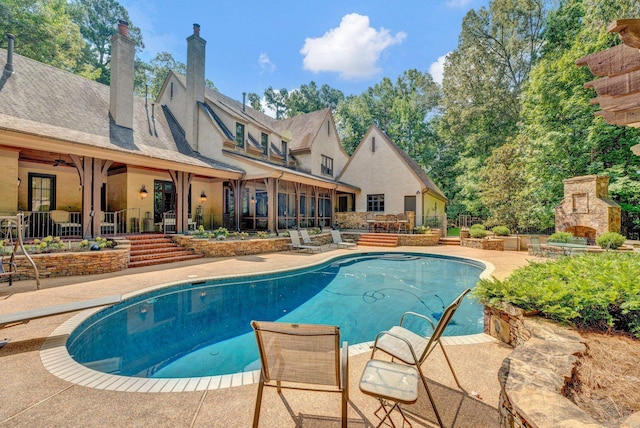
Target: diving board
<point x="26" y="316"/>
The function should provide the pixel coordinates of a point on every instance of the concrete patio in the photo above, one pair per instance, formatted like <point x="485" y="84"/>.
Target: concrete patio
<point x="31" y="396"/>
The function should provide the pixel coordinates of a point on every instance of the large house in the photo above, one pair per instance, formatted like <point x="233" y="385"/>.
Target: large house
<point x="82" y="159"/>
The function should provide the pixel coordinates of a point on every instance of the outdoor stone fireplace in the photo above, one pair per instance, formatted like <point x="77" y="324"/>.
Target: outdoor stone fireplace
<point x="586" y="210"/>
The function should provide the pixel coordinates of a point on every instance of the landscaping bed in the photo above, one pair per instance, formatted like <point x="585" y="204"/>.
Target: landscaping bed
<point x="606" y="379"/>
<point x="556" y="374"/>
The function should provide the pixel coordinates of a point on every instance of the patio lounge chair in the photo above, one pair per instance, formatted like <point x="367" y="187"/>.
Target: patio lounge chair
<point x="301" y="356"/>
<point x="338" y="242"/>
<point x="296" y="245"/>
<point x="306" y="239"/>
<point x="422" y="345"/>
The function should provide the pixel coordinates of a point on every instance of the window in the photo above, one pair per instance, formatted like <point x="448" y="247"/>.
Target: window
<point x="328" y="127"/>
<point x="327" y="165"/>
<point x="171" y="91"/>
<point x="375" y="203"/>
<point x="285" y="152"/>
<point x="373" y="144"/>
<point x="164" y="199"/>
<point x="240" y="135"/>
<point x="42" y="192"/>
<point x="264" y="140"/>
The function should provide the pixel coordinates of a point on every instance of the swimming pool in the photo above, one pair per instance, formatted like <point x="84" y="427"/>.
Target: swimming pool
<point x="202" y="328"/>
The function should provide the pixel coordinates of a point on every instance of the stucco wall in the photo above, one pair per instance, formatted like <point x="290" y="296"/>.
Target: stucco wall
<point x="68" y="193"/>
<point x="9" y="181"/>
<point x="381" y="172"/>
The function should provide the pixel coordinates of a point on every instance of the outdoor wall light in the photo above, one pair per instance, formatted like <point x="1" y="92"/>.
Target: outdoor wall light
<point x="203" y="197"/>
<point x="19" y="181"/>
<point x="143" y="192"/>
<point x="253" y="200"/>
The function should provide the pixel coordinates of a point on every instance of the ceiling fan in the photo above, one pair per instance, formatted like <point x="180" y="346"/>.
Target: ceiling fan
<point x="61" y="161"/>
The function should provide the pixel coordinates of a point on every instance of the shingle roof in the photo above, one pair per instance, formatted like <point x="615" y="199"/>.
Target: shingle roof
<point x="43" y="100"/>
<point x="303" y="128"/>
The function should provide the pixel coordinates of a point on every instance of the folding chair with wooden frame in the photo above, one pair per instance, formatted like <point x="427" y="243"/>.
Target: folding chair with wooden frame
<point x="301" y="356"/>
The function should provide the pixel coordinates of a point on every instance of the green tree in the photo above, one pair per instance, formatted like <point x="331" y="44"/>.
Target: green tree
<point x="401" y="109"/>
<point x="482" y="82"/>
<point x="309" y="98"/>
<point x="44" y="32"/>
<point x="503" y="183"/>
<point x="98" y="21"/>
<point x="277" y="101"/>
<point x="254" y="101"/>
<point x="566" y="139"/>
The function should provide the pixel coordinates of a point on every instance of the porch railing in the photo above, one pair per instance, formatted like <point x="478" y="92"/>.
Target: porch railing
<point x="68" y="224"/>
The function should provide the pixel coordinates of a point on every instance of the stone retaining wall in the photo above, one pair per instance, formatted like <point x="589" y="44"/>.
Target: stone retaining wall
<point x="483" y="244"/>
<point x="73" y="263"/>
<point x="533" y="377"/>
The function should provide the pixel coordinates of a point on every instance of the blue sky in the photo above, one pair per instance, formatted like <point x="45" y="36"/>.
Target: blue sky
<point x="348" y="44"/>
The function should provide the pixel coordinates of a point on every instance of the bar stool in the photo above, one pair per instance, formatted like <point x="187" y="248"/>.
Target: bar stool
<point x="386" y="380"/>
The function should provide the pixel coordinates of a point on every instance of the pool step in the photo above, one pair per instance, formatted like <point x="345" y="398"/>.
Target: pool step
<point x="378" y="240"/>
<point x="155" y="249"/>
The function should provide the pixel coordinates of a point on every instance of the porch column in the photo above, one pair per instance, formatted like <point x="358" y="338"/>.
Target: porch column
<point x="316" y="193"/>
<point x="333" y="208"/>
<point x="272" y="208"/>
<point x="298" y="189"/>
<point x="236" y="188"/>
<point x="92" y="172"/>
<point x="182" y="182"/>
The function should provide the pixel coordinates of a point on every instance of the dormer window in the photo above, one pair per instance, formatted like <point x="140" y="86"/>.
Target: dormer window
<point x="239" y="135"/>
<point x="327" y="166"/>
<point x="285" y="152"/>
<point x="264" y="141"/>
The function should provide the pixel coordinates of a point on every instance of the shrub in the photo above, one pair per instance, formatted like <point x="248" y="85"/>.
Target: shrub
<point x="610" y="240"/>
<point x="201" y="233"/>
<point x="221" y="231"/>
<point x="314" y="231"/>
<point x="262" y="235"/>
<point x="478" y="226"/>
<point x="422" y="229"/>
<point x="501" y="230"/>
<point x="476" y="232"/>
<point x="599" y="291"/>
<point x="560" y="237"/>
<point x="48" y="244"/>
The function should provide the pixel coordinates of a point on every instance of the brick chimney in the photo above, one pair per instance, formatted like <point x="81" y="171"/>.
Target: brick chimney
<point x="122" y="61"/>
<point x="195" y="84"/>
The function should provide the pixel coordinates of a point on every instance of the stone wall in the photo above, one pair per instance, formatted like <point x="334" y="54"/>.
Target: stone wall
<point x="354" y="220"/>
<point x="73" y="263"/>
<point x="483" y="244"/>
<point x="533" y="377"/>
<point x="233" y="248"/>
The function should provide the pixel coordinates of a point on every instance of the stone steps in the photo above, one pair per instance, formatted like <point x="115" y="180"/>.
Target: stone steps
<point x="449" y="240"/>
<point x="378" y="240"/>
<point x="155" y="249"/>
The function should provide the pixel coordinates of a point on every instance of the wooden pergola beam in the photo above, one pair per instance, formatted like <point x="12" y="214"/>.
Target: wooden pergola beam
<point x="629" y="31"/>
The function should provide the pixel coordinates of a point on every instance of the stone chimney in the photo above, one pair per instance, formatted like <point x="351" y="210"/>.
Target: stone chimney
<point x="122" y="61"/>
<point x="586" y="209"/>
<point x="195" y="84"/>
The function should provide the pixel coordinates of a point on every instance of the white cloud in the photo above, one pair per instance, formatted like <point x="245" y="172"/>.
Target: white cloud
<point x="459" y="3"/>
<point x="265" y="63"/>
<point x="352" y="49"/>
<point x="436" y="69"/>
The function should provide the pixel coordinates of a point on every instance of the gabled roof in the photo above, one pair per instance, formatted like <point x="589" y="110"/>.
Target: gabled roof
<point x="42" y="100"/>
<point x="414" y="167"/>
<point x="303" y="128"/>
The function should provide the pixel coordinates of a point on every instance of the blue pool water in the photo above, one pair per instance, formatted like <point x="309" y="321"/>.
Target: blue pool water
<point x="202" y="328"/>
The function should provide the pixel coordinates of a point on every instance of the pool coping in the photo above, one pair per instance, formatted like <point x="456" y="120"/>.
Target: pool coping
<point x="57" y="360"/>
